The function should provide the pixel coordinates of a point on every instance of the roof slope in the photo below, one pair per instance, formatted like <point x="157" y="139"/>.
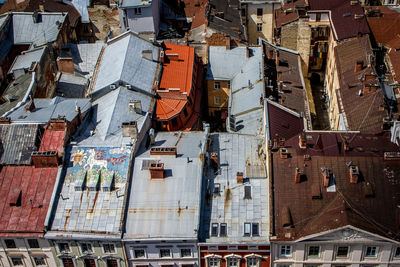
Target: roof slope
<point x="224" y="64"/>
<point x="123" y="60"/>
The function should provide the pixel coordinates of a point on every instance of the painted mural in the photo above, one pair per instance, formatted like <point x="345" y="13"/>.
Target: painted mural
<point x="99" y="162"/>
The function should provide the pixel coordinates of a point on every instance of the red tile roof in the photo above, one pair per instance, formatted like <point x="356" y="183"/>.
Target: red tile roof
<point x="348" y="205"/>
<point x="176" y="74"/>
<point x="34" y="186"/>
<point x="288" y="13"/>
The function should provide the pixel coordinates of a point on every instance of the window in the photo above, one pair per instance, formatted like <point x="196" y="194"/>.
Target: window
<point x="213" y="262"/>
<point x="342" y="251"/>
<point x="259" y="27"/>
<point x="17" y="261"/>
<point x="63" y="247"/>
<point x="67" y="262"/>
<point x="217" y="100"/>
<point x="371" y="252"/>
<point x="186" y="252"/>
<point x="112" y="263"/>
<point x="247" y="192"/>
<point x="39" y="261"/>
<point x="139" y="253"/>
<point x="318" y="17"/>
<point x="109" y="248"/>
<point x="33" y="243"/>
<point x="222" y="229"/>
<point x="232" y="262"/>
<point x="165" y="252"/>
<point x="138" y="11"/>
<point x="286" y="251"/>
<point x="214" y="229"/>
<point x="10" y="243"/>
<point x="247" y="230"/>
<point x="313" y="251"/>
<point x="259" y="12"/>
<point x="228" y="84"/>
<point x="397" y="252"/>
<point x="89" y="263"/>
<point x="255" y="229"/>
<point x="86" y="248"/>
<point x="252" y="262"/>
<point x="216" y="189"/>
<point x="217" y="85"/>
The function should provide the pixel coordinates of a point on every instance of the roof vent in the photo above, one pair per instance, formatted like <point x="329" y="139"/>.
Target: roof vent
<point x="15" y="197"/>
<point x="284" y="154"/>
<point x="31" y="105"/>
<point x="358" y="16"/>
<point x="239" y="177"/>
<point x="307" y="157"/>
<point x="113" y="86"/>
<point x="135" y="106"/>
<point x="156" y="170"/>
<point x="297" y="175"/>
<point x="354" y="173"/>
<point x="163" y="151"/>
<point x="214" y="160"/>
<point x="281" y="142"/>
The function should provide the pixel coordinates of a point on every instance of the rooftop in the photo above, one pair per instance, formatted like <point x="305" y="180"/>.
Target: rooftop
<point x="168" y="207"/>
<point x="310" y="206"/>
<point x="25" y="60"/>
<point x="135" y="3"/>
<point x="93" y="193"/>
<point x="177" y="79"/>
<point x="224" y="64"/>
<point x="128" y="60"/>
<point x="231" y="201"/>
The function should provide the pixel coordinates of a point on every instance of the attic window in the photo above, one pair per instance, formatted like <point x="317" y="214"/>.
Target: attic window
<point x="247" y="192"/>
<point x="16" y="197"/>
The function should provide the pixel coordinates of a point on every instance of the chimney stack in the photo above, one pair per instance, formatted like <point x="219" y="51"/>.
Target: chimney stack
<point x="44" y="159"/>
<point x="297" y="175"/>
<point x="156" y="170"/>
<point x="65" y="65"/>
<point x="281" y="142"/>
<point x="284" y="154"/>
<point x="228" y="43"/>
<point x="302" y="141"/>
<point x="163" y="151"/>
<point x="325" y="176"/>
<point x="359" y="66"/>
<point x="129" y="129"/>
<point x="239" y="177"/>
<point x="354" y="174"/>
<point x="31" y="105"/>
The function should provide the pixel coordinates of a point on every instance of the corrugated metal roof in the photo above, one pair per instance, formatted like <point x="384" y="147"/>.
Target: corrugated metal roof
<point x="83" y="211"/>
<point x="109" y="112"/>
<point x="237" y="153"/>
<point x="122" y="60"/>
<point x="169" y="207"/>
<point x="24" y="61"/>
<point x="26" y="31"/>
<point x="46" y="109"/>
<point x="17" y="143"/>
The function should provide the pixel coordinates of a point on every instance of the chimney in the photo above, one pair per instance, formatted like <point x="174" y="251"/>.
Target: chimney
<point x="44" y="159"/>
<point x="163" y="151"/>
<point x="284" y="154"/>
<point x="31" y="105"/>
<point x="65" y="65"/>
<point x="130" y="129"/>
<point x="214" y="157"/>
<point x="359" y="66"/>
<point x="302" y="141"/>
<point x="37" y="17"/>
<point x="152" y="136"/>
<point x="346" y="145"/>
<point x="239" y="177"/>
<point x="41" y="8"/>
<point x="247" y="52"/>
<point x="307" y="157"/>
<point x="147" y="54"/>
<point x="156" y="170"/>
<point x="58" y="124"/>
<point x="325" y="176"/>
<point x="5" y="120"/>
<point x="228" y="43"/>
<point x="297" y="175"/>
<point x="173" y="57"/>
<point x="354" y="174"/>
<point x="281" y="142"/>
<point x="135" y="106"/>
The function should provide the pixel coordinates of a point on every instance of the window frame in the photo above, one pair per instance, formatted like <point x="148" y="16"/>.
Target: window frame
<point x="217" y="85"/>
<point x="258" y="12"/>
<point x="10" y="240"/>
<point x="62" y="251"/>
<point x="217" y="100"/>
<point x="396" y="253"/>
<point x="313" y="256"/>
<point x="245" y="226"/>
<point x="137" y="10"/>
<point x="108" y="244"/>
<point x="340" y="256"/>
<point x="214" y="226"/>
<point x="229" y="259"/>
<point x="216" y="262"/>
<point x="137" y="249"/>
<point x="374" y="248"/>
<point x="186" y="256"/>
<point x="86" y="243"/>
<point x="256" y="259"/>
<point x="12" y="258"/>
<point x="165" y="249"/>
<point x="286" y="254"/>
<point x="259" y="27"/>
<point x="34" y="258"/>
<point x="225" y="232"/>
<point x="258" y="229"/>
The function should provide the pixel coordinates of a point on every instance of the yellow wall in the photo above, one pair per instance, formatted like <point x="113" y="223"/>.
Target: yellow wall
<point x="266" y="19"/>
<point x="222" y="93"/>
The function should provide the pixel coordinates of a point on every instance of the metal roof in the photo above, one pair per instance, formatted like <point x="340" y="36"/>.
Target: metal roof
<point x="85" y="57"/>
<point x="80" y="211"/>
<point x="26" y="31"/>
<point x="109" y="112"/>
<point x="135" y="3"/>
<point x="225" y="64"/>
<point x="15" y="93"/>
<point x="82" y="7"/>
<point x="24" y="61"/>
<point x="17" y="143"/>
<point x="169" y="207"/>
<point x="236" y="153"/>
<point x="46" y="109"/>
<point x="122" y="61"/>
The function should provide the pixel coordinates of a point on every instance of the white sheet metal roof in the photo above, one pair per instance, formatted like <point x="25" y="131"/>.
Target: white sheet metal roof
<point x="24" y="61"/>
<point x="169" y="207"/>
<point x="122" y="61"/>
<point x="237" y="153"/>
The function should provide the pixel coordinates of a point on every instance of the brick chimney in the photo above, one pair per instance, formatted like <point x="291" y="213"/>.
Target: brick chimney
<point x="58" y="124"/>
<point x="129" y="129"/>
<point x="156" y="170"/>
<point x="281" y="142"/>
<point x="325" y="176"/>
<point x="359" y="66"/>
<point x="297" y="175"/>
<point x="239" y="177"/>
<point x="228" y="43"/>
<point x="284" y="154"/>
<point x="44" y="159"/>
<point x="65" y="64"/>
<point x="302" y="141"/>
<point x="354" y="174"/>
<point x="163" y="151"/>
<point x="31" y="105"/>
<point x="5" y="120"/>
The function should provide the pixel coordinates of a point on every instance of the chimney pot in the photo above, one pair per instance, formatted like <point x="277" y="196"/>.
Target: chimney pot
<point x="239" y="177"/>
<point x="156" y="170"/>
<point x="354" y="174"/>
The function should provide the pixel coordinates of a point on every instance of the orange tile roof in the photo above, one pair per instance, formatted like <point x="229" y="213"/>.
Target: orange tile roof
<point x="177" y="74"/>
